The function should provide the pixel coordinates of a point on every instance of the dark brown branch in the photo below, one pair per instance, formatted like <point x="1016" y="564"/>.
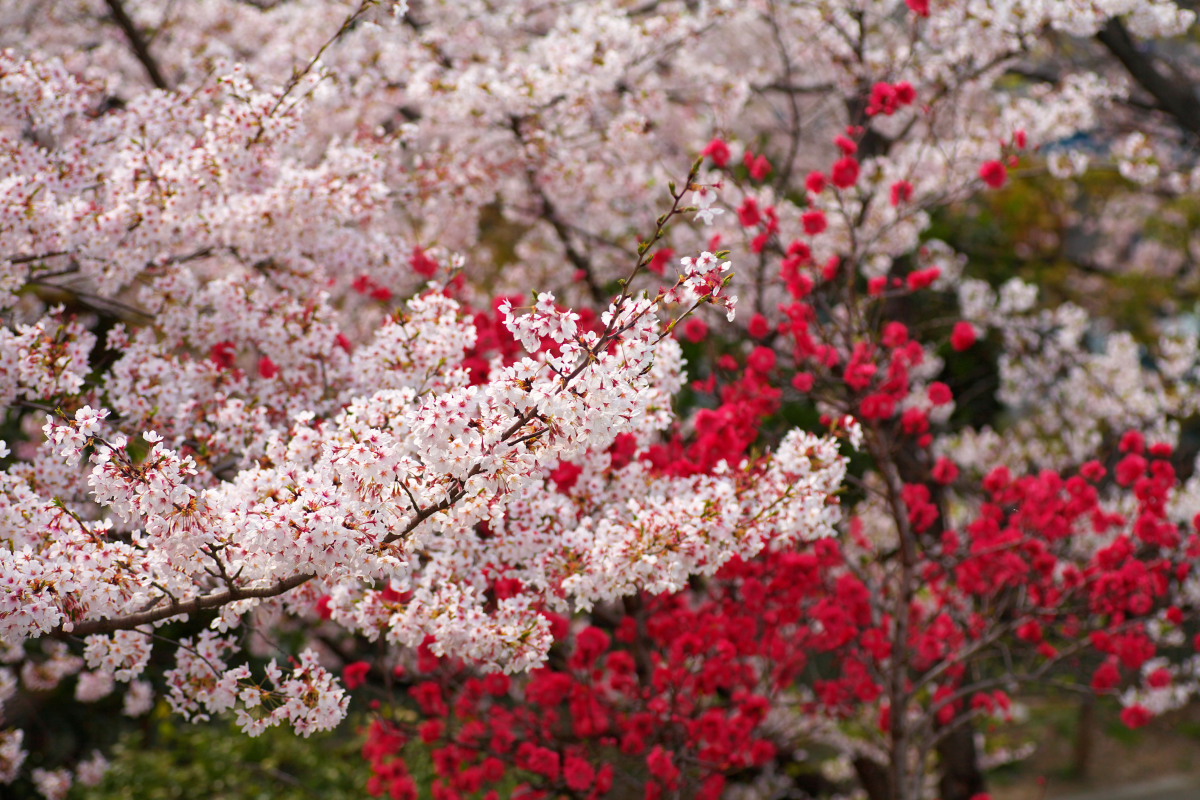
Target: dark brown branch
<point x="179" y="608"/>
<point x="141" y="48"/>
<point x="783" y="87"/>
<point x="35" y="258"/>
<point x="550" y="214"/>
<point x="92" y="301"/>
<point x="577" y="259"/>
<point x="1177" y="99"/>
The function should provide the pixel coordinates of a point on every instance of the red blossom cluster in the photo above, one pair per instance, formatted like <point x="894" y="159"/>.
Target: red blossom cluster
<point x="674" y="690"/>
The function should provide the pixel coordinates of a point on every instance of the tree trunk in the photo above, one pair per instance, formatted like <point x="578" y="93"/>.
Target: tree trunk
<point x="961" y="777"/>
<point x="1082" y="752"/>
<point x="873" y="778"/>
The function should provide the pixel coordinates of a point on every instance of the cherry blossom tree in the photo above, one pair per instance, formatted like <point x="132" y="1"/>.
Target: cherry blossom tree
<point x="222" y="407"/>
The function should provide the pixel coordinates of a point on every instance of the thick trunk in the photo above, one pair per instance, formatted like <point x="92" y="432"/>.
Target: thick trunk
<point x="873" y="778"/>
<point x="961" y="778"/>
<point x="1082" y="752"/>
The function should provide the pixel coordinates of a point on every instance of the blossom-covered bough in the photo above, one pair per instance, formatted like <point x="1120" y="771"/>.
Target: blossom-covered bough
<point x="231" y="430"/>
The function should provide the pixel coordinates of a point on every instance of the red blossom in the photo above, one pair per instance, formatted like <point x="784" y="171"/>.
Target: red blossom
<point x="223" y="354"/>
<point x="994" y="174"/>
<point x="940" y="394"/>
<point x="661" y="763"/>
<point x="355" y="675"/>
<point x="1136" y="716"/>
<point x="748" y="213"/>
<point x="578" y="773"/>
<point x="1160" y="678"/>
<point x="829" y="269"/>
<point x="267" y="368"/>
<point x="431" y="730"/>
<point x="718" y="151"/>
<point x="590" y="644"/>
<point x="422" y="263"/>
<point x="758" y="327"/>
<point x="1130" y="468"/>
<point x="565" y="476"/>
<point x="814" y="222"/>
<point x="963" y="336"/>
<point x="887" y="99"/>
<point x="845" y="172"/>
<point x="759" y="166"/>
<point x="918" y="7"/>
<point x="660" y="260"/>
<point x="695" y="330"/>
<point x="923" y="278"/>
<point x="914" y="421"/>
<point x="1132" y="442"/>
<point x="895" y="334"/>
<point x="762" y="359"/>
<point x="945" y="471"/>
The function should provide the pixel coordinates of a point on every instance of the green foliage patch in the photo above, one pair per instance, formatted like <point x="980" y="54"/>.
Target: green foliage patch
<point x="173" y="760"/>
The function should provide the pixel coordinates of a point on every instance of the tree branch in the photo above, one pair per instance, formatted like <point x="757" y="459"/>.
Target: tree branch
<point x="141" y="48"/>
<point x="178" y="608"/>
<point x="1178" y="100"/>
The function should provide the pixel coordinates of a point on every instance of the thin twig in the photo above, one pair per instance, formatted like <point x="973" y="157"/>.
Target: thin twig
<point x="299" y="75"/>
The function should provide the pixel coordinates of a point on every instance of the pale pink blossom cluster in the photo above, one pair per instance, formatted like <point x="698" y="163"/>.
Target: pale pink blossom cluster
<point x="256" y="434"/>
<point x="308" y="698"/>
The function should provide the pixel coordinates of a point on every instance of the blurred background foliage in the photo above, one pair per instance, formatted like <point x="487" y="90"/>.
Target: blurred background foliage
<point x="169" y="759"/>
